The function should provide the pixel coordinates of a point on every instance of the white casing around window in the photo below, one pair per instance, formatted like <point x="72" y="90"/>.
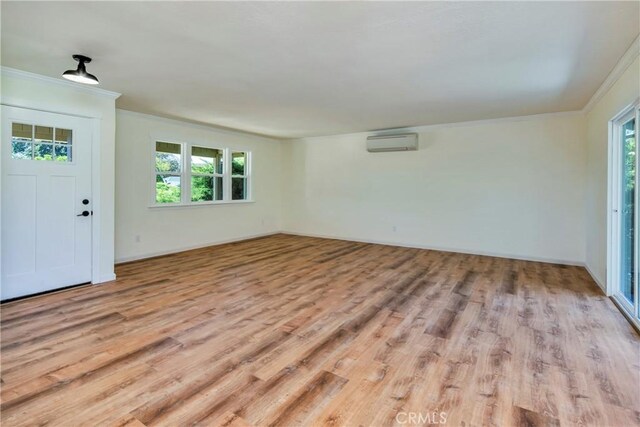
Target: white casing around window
<point x="185" y="174"/>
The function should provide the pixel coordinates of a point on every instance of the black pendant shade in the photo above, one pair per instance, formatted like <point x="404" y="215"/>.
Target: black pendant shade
<point x="80" y="75"/>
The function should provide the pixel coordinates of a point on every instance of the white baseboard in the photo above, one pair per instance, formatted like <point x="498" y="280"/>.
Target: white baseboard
<point x="442" y="249"/>
<point x="106" y="278"/>
<point x="599" y="282"/>
<point x="630" y="318"/>
<point x="352" y="239"/>
<point x="188" y="248"/>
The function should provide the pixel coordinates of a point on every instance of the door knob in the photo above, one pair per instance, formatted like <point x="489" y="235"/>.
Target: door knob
<point x="85" y="202"/>
<point x="84" y="213"/>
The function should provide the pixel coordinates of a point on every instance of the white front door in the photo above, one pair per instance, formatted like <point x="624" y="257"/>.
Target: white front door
<point x="46" y="201"/>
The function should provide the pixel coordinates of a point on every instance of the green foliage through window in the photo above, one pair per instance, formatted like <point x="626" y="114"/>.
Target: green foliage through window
<point x="29" y="142"/>
<point x="167" y="189"/>
<point x="629" y="153"/>
<point x="237" y="165"/>
<point x="207" y="173"/>
<point x="168" y="167"/>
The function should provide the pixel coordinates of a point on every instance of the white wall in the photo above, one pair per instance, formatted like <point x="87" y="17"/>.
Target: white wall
<point x="625" y="91"/>
<point x="171" y="229"/>
<point x="513" y="188"/>
<point x="31" y="91"/>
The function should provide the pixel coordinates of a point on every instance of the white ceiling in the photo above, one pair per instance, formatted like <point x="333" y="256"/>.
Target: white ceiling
<point x="292" y="69"/>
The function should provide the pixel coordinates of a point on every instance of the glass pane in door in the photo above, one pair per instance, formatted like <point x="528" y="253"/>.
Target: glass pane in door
<point x="21" y="141"/>
<point x="628" y="207"/>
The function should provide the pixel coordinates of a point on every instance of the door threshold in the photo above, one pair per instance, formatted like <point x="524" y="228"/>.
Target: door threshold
<point x="629" y="317"/>
<point x="43" y="293"/>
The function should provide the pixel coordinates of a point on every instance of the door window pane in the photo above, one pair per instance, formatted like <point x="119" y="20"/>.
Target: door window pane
<point x="21" y="150"/>
<point x="43" y="152"/>
<point x="62" y="145"/>
<point x="40" y="143"/>
<point x="628" y="207"/>
<point x="63" y="153"/>
<point x="21" y="141"/>
<point x="63" y="136"/>
<point x="43" y="134"/>
<point x="43" y="143"/>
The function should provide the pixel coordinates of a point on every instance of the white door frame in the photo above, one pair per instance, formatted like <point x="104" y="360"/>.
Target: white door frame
<point x="613" y="202"/>
<point x="97" y="200"/>
<point x="95" y="187"/>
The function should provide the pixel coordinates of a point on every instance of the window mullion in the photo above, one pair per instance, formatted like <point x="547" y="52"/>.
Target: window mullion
<point x="226" y="179"/>
<point x="185" y="176"/>
<point x="154" y="185"/>
<point x="247" y="172"/>
<point x="214" y="186"/>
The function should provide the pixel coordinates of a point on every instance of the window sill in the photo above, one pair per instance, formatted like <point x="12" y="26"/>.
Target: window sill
<point x="195" y="205"/>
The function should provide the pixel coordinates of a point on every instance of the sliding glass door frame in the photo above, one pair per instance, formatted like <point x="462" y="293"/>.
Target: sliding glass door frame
<point x="615" y="242"/>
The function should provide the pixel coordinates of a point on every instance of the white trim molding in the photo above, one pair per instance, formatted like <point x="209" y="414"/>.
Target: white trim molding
<point x="634" y="322"/>
<point x="198" y="125"/>
<point x="186" y="174"/>
<point x="615" y="202"/>
<point x="427" y="128"/>
<point x="25" y="75"/>
<point x="602" y="285"/>
<point x="441" y="249"/>
<point x="104" y="279"/>
<point x="191" y="247"/>
<point x="96" y="197"/>
<point x="625" y="61"/>
<point x="374" y="242"/>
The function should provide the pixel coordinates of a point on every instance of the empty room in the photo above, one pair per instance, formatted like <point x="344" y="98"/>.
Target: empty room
<point x="326" y="213"/>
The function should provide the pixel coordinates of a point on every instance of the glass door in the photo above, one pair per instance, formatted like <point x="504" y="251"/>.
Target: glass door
<point x="625" y="228"/>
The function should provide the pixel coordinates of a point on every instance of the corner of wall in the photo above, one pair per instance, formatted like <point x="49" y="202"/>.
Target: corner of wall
<point x="602" y="284"/>
<point x="285" y="182"/>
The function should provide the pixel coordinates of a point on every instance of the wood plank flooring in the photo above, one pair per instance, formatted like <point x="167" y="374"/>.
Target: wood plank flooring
<point x="289" y="331"/>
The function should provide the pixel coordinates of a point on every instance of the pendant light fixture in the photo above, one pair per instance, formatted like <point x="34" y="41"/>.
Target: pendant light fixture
<point x="80" y="75"/>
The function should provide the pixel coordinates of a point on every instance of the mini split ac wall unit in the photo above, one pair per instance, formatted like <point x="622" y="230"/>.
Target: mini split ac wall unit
<point x="385" y="143"/>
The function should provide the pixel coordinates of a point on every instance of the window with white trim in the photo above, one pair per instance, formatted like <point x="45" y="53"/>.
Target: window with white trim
<point x="168" y="172"/>
<point x="207" y="175"/>
<point x="239" y="175"/>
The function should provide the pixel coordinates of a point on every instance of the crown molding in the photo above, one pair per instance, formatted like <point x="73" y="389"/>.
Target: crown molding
<point x="197" y="125"/>
<point x="625" y="61"/>
<point x="25" y="75"/>
<point x="428" y="128"/>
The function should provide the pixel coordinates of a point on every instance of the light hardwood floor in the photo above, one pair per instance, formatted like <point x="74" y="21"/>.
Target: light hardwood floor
<point x="289" y="330"/>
